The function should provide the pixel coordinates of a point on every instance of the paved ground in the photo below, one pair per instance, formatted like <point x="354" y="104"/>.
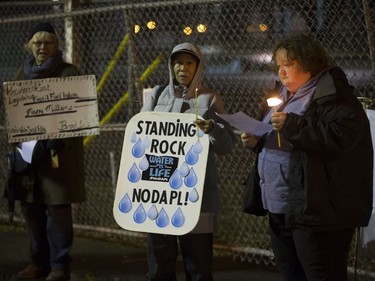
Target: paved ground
<point x="96" y="260"/>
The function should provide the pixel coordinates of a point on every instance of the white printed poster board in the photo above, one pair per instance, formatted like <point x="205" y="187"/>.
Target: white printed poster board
<point x="368" y="233"/>
<point x="162" y="172"/>
<point x="51" y="108"/>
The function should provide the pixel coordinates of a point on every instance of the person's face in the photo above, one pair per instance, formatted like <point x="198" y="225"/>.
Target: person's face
<point x="291" y="73"/>
<point x="43" y="47"/>
<point x="184" y="67"/>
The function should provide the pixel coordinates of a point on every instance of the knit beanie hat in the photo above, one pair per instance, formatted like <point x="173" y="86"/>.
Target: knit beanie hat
<point x="41" y="26"/>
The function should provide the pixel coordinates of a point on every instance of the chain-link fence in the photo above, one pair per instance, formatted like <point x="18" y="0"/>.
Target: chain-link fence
<point x="125" y="44"/>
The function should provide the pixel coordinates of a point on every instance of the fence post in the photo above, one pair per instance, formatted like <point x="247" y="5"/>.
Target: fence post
<point x="369" y="15"/>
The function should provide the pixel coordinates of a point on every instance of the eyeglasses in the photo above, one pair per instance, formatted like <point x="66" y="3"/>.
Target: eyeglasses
<point x="40" y="43"/>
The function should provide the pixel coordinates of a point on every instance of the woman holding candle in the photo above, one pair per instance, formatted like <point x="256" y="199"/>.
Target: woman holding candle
<point x="186" y="94"/>
<point x="317" y="186"/>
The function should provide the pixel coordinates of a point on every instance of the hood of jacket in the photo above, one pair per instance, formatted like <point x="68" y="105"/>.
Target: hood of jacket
<point x="196" y="82"/>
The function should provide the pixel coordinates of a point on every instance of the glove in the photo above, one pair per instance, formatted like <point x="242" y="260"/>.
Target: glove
<point x="55" y="146"/>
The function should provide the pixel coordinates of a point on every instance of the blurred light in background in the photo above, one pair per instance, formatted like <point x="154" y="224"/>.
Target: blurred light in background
<point x="151" y="24"/>
<point x="201" y="28"/>
<point x="187" y="30"/>
<point x="250" y="28"/>
<point x="137" y="28"/>
<point x="263" y="27"/>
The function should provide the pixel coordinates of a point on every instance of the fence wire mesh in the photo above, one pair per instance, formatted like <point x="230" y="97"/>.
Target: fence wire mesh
<point x="125" y="44"/>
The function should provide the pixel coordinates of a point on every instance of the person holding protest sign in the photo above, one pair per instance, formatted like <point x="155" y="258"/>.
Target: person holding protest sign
<point x="53" y="179"/>
<point x="185" y="94"/>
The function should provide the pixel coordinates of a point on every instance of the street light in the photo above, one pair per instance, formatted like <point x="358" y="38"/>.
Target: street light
<point x="263" y="27"/>
<point x="250" y="28"/>
<point x="201" y="28"/>
<point x="151" y="24"/>
<point x="137" y="28"/>
<point x="187" y="30"/>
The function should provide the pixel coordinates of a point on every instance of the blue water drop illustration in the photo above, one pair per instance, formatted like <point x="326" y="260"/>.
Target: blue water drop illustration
<point x="197" y="147"/>
<point x="138" y="151"/>
<point x="175" y="181"/>
<point x="191" y="158"/>
<point x="143" y="165"/>
<point x="134" y="174"/>
<point x="184" y="170"/>
<point x="133" y="138"/>
<point x="125" y="204"/>
<point x="178" y="218"/>
<point x="162" y="220"/>
<point x="191" y="179"/>
<point x="200" y="133"/>
<point x="139" y="215"/>
<point x="193" y="196"/>
<point x="152" y="213"/>
<point x="145" y="143"/>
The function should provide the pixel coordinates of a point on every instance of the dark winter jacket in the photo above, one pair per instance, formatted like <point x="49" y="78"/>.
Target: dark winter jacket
<point x="42" y="183"/>
<point x="331" y="164"/>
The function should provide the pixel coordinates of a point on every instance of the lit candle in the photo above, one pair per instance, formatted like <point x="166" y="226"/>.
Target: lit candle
<point x="274" y="102"/>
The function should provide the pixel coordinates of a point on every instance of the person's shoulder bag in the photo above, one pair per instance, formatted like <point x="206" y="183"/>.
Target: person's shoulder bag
<point x="252" y="195"/>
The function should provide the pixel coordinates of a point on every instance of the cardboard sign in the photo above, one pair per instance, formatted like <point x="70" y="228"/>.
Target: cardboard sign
<point x="162" y="173"/>
<point x="51" y="108"/>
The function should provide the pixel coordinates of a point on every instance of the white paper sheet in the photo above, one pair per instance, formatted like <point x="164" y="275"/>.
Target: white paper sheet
<point x="246" y="124"/>
<point x="26" y="150"/>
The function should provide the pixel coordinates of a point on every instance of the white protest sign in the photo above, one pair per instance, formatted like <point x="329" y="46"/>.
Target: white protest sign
<point x="51" y="108"/>
<point x="162" y="172"/>
<point x="367" y="238"/>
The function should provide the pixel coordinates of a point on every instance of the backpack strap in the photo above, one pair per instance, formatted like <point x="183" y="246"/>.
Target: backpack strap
<point x="158" y="93"/>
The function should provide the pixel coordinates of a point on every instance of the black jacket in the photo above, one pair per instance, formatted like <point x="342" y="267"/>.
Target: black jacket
<point x="331" y="165"/>
<point x="40" y="182"/>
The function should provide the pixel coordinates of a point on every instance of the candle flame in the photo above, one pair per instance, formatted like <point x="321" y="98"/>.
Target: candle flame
<point x="273" y="102"/>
